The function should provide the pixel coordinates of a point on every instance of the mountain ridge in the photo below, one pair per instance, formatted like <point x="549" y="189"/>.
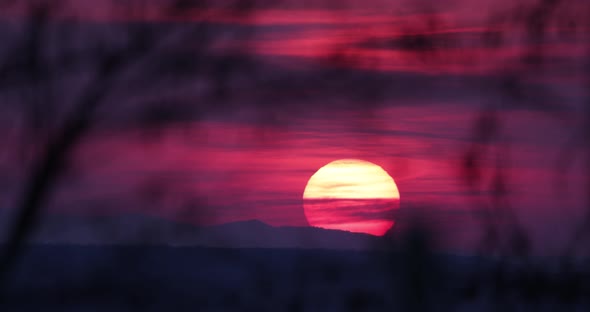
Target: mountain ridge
<point x="130" y="229"/>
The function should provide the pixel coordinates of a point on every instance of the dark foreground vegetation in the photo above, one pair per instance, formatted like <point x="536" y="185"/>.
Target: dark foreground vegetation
<point x="42" y="57"/>
<point x="159" y="278"/>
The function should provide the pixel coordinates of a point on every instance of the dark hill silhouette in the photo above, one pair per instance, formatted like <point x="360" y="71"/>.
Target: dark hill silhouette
<point x="146" y="230"/>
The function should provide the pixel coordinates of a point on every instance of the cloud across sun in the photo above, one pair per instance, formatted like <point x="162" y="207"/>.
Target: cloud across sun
<point x="351" y="195"/>
<point x="353" y="179"/>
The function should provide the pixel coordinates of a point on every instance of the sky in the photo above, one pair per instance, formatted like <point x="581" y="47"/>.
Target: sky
<point x="399" y="84"/>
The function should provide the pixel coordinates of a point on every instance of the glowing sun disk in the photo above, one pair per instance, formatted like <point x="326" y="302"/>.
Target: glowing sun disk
<point x="351" y="195"/>
<point x="351" y="178"/>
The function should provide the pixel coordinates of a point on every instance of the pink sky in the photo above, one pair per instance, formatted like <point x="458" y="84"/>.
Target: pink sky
<point x="243" y="171"/>
<point x="238" y="166"/>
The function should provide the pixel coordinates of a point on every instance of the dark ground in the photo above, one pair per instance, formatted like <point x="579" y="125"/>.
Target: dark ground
<point x="158" y="278"/>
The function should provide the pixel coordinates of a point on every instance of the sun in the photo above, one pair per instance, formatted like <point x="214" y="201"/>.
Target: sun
<point x="352" y="195"/>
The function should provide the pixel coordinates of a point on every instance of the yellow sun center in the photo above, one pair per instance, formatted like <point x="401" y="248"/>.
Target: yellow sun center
<point x="350" y="178"/>
<point x="352" y="195"/>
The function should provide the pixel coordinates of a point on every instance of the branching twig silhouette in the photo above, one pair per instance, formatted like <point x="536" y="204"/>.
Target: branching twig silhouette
<point x="52" y="155"/>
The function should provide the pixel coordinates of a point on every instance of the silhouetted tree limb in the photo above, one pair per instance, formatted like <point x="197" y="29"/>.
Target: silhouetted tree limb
<point x="53" y="156"/>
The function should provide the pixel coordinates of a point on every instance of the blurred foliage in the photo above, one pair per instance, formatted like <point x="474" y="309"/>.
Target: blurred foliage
<point x="36" y="62"/>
